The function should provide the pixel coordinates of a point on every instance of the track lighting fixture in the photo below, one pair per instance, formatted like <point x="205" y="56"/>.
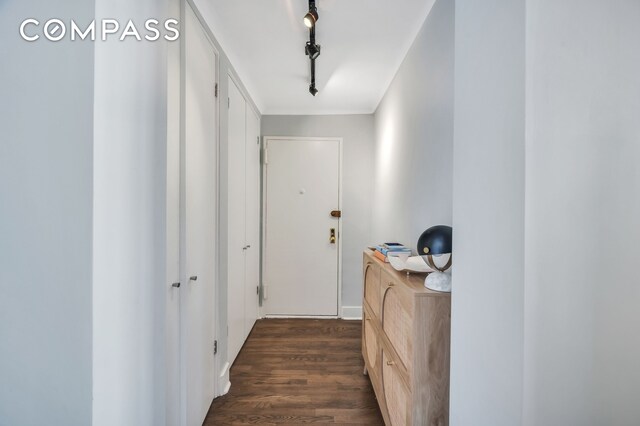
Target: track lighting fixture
<point x="311" y="49"/>
<point x="311" y="17"/>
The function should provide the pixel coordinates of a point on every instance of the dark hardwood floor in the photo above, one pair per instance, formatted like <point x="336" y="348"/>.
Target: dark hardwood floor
<point x="299" y="371"/>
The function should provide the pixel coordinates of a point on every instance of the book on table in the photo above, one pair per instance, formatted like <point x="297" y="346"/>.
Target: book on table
<point x="398" y="252"/>
<point x="392" y="245"/>
<point x="395" y="249"/>
<point x="380" y="256"/>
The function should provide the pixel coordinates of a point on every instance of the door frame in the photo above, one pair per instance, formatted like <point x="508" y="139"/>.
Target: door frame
<point x="263" y="244"/>
<point x="185" y="6"/>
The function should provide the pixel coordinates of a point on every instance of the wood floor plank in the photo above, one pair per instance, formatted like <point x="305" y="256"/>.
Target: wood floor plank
<point x="297" y="372"/>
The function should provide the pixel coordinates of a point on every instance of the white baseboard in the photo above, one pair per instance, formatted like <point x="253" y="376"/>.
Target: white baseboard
<point x="352" y="312"/>
<point x="348" y="313"/>
<point x="225" y="370"/>
<point x="223" y="380"/>
<point x="271" y="316"/>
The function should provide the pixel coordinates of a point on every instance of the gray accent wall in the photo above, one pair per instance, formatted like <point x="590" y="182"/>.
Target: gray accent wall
<point x="130" y="181"/>
<point x="357" y="132"/>
<point x="487" y="334"/>
<point x="414" y="137"/>
<point x="46" y="156"/>
<point x="582" y="291"/>
<point x="545" y="289"/>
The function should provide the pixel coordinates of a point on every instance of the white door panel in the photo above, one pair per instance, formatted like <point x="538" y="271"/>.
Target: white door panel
<point x="301" y="264"/>
<point x="236" y="221"/>
<point x="199" y="227"/>
<point x="252" y="222"/>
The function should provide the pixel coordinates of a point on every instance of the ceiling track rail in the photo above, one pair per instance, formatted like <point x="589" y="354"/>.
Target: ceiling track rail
<point x="312" y="49"/>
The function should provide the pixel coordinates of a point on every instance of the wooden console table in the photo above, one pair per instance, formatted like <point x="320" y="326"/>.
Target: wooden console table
<point x="406" y="331"/>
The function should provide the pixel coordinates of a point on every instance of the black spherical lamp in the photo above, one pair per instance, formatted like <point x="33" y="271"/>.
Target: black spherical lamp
<point x="434" y="245"/>
<point x="435" y="240"/>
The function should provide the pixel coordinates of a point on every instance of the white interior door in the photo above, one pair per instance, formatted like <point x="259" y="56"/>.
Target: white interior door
<point x="236" y="220"/>
<point x="252" y="219"/>
<point x="197" y="291"/>
<point x="302" y="188"/>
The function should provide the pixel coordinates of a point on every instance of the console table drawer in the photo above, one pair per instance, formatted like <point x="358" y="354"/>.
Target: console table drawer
<point x="396" y="393"/>
<point x="372" y="294"/>
<point x="371" y="346"/>
<point x="397" y="320"/>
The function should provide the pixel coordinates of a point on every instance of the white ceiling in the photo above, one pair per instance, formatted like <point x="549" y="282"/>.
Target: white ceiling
<point x="363" y="44"/>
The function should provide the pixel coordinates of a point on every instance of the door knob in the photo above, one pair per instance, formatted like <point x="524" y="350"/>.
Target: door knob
<point x="332" y="237"/>
<point x="176" y="285"/>
<point x="193" y="278"/>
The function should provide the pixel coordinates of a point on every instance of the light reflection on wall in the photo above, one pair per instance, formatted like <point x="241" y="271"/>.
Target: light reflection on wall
<point x="385" y="149"/>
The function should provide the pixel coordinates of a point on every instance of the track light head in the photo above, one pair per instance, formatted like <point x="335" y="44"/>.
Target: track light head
<point x="311" y="18"/>
<point x="312" y="89"/>
<point x="312" y="50"/>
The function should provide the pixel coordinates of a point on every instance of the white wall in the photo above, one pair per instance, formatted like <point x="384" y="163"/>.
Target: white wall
<point x="582" y="208"/>
<point x="46" y="115"/>
<point x="414" y="137"/>
<point x="357" y="132"/>
<point x="129" y="240"/>
<point x="488" y="214"/>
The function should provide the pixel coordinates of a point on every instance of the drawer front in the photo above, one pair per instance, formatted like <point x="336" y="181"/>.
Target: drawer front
<point x="396" y="394"/>
<point x="372" y="354"/>
<point x="372" y="286"/>
<point x="397" y="321"/>
<point x="370" y="345"/>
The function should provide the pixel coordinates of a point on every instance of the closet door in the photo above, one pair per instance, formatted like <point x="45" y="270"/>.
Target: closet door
<point x="252" y="219"/>
<point x="236" y="220"/>
<point x="198" y="254"/>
